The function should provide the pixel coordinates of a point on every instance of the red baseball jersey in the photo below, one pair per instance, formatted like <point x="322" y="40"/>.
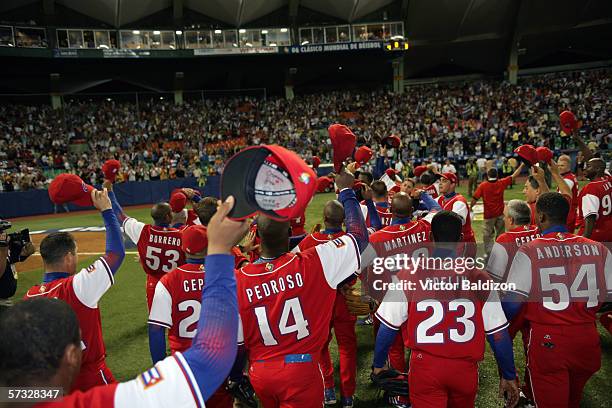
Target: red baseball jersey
<point x="286" y="304"/>
<point x="505" y="248"/>
<point x="492" y="194"/>
<point x="449" y="322"/>
<point x="192" y="218"/>
<point x="383" y="212"/>
<point x="176" y="304"/>
<point x="564" y="276"/>
<point x="82" y="292"/>
<point x="458" y="205"/>
<point x="316" y="238"/>
<point x="596" y="199"/>
<point x="159" y="248"/>
<point x="297" y="225"/>
<point x="170" y="383"/>
<point x="572" y="182"/>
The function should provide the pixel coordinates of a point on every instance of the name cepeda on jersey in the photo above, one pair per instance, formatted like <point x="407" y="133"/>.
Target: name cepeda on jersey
<point x="567" y="251"/>
<point x="193" y="285"/>
<point x="164" y="239"/>
<point x="523" y="240"/>
<point x="405" y="240"/>
<point x="275" y="286"/>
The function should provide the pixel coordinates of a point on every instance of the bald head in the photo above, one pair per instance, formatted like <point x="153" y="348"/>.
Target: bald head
<point x="333" y="214"/>
<point x="401" y="205"/>
<point x="161" y="213"/>
<point x="274" y="236"/>
<point x="595" y="168"/>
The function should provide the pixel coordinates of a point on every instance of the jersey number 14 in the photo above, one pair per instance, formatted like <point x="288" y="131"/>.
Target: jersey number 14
<point x="292" y="309"/>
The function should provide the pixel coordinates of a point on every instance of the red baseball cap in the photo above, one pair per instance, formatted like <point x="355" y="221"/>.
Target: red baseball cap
<point x="527" y="153"/>
<point x="418" y="170"/>
<point x="316" y="162"/>
<point x="391" y="141"/>
<point x="544" y="154"/>
<point x="110" y="168"/>
<point x="358" y="185"/>
<point x="343" y="142"/>
<point x="452" y="177"/>
<point x="323" y="183"/>
<point x="568" y="122"/>
<point x="69" y="188"/>
<point x="363" y="155"/>
<point x="194" y="239"/>
<point x="178" y="201"/>
<point x="268" y="179"/>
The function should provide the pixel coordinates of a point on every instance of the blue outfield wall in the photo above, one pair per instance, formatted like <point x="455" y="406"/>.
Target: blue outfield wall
<point x="36" y="202"/>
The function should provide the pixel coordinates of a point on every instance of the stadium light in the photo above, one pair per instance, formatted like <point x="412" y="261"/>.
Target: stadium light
<point x="249" y="44"/>
<point x="264" y="31"/>
<point x="178" y="32"/>
<point x="272" y="44"/>
<point x="135" y="32"/>
<point x="217" y="31"/>
<point x="156" y="32"/>
<point x="305" y="42"/>
<point x="284" y="30"/>
<point x="242" y="31"/>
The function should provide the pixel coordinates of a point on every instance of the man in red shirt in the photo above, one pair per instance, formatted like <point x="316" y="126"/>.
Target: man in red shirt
<point x="343" y="322"/>
<point x="564" y="162"/>
<point x="286" y="302"/>
<point x="381" y="203"/>
<point x="492" y="193"/>
<point x="83" y="290"/>
<point x="449" y="200"/>
<point x="561" y="280"/>
<point x="595" y="203"/>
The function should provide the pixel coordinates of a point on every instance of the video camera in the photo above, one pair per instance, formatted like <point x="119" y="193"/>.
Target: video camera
<point x="16" y="240"/>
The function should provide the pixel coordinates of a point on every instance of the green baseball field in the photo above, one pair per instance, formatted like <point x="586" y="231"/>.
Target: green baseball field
<point x="124" y="311"/>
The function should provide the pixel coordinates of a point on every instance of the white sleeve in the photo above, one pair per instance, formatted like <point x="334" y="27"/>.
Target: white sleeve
<point x="590" y="205"/>
<point x="493" y="315"/>
<point x="161" y="309"/>
<point x="92" y="282"/>
<point x="393" y="310"/>
<point x="608" y="274"/>
<point x="498" y="262"/>
<point x="170" y="383"/>
<point x="240" y="339"/>
<point x="296" y="249"/>
<point x="569" y="183"/>
<point x="429" y="216"/>
<point x="133" y="228"/>
<point x="520" y="274"/>
<point x="461" y="209"/>
<point x="364" y="211"/>
<point x="340" y="258"/>
<point x="368" y="256"/>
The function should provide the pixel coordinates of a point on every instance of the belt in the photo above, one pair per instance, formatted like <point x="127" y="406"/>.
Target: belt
<point x="291" y="358"/>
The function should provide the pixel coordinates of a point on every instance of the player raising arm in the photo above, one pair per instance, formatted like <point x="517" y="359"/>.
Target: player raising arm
<point x="40" y="344"/>
<point x="560" y="280"/>
<point x="83" y="290"/>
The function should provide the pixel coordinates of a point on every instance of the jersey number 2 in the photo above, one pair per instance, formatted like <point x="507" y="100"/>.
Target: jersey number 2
<point x="292" y="309"/>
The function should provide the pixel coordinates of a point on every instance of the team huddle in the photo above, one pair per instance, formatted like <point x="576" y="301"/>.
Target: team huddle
<point x="248" y="306"/>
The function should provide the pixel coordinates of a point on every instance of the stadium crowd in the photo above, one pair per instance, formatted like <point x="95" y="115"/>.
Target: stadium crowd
<point x="159" y="140"/>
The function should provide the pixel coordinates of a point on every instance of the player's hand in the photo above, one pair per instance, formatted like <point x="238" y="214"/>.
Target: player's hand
<point x="189" y="192"/>
<point x="344" y="180"/>
<point x="366" y="192"/>
<point x="224" y="233"/>
<point x="554" y="168"/>
<point x="351" y="167"/>
<point x="27" y="250"/>
<point x="538" y="173"/>
<point x="316" y="228"/>
<point x="249" y="242"/>
<point x="100" y="200"/>
<point x="108" y="185"/>
<point x="508" y="389"/>
<point x="416" y="193"/>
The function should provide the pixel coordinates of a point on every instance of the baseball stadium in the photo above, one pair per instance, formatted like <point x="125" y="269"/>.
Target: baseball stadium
<point x="197" y="197"/>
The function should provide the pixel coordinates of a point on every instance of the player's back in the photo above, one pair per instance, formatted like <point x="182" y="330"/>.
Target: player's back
<point x="505" y="248"/>
<point x="317" y="238"/>
<point x="184" y="285"/>
<point x="566" y="277"/>
<point x="285" y="305"/>
<point x="447" y="319"/>
<point x="159" y="249"/>
<point x="596" y="199"/>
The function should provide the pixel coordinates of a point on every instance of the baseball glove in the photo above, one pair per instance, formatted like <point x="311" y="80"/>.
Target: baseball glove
<point x="242" y="390"/>
<point x="392" y="382"/>
<point x="358" y="304"/>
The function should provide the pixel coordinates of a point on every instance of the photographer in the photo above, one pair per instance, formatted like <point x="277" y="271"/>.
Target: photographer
<point x="14" y="247"/>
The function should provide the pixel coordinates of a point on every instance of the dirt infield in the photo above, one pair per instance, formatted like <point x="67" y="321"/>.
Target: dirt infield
<point x="88" y="243"/>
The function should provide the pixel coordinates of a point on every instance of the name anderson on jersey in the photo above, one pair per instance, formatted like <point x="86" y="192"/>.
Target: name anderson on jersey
<point x="567" y="251"/>
<point x="275" y="286"/>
